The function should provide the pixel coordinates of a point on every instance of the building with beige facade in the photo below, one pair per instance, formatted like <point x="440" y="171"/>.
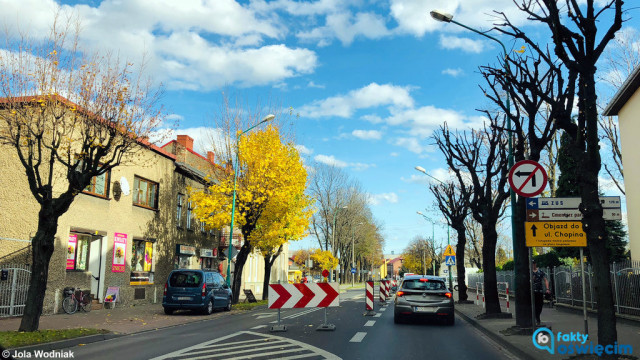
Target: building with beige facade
<point x="127" y="230"/>
<point x="626" y="105"/>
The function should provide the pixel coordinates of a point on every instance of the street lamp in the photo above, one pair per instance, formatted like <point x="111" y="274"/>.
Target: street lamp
<point x="333" y="240"/>
<point x="444" y="17"/>
<point x="235" y="180"/>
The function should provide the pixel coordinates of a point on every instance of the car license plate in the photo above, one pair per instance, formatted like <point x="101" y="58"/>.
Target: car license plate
<point x="424" y="309"/>
<point x="184" y="298"/>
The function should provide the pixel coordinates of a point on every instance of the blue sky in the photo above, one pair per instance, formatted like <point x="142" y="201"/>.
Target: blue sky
<point x="370" y="80"/>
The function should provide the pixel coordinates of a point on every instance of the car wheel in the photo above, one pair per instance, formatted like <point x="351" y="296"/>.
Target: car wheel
<point x="168" y="311"/>
<point x="208" y="310"/>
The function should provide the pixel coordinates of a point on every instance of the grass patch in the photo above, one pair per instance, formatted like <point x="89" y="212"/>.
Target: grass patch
<point x="14" y="339"/>
<point x="248" y="305"/>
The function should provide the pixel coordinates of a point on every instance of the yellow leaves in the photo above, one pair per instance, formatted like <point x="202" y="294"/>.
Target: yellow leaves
<point x="325" y="259"/>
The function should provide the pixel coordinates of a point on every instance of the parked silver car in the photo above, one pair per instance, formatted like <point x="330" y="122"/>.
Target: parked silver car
<point x="423" y="296"/>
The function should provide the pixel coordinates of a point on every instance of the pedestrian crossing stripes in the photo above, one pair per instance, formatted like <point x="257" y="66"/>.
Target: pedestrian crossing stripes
<point x="250" y="345"/>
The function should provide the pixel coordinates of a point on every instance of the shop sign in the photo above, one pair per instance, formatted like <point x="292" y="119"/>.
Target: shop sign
<point x="119" y="252"/>
<point x="207" y="252"/>
<point x="71" y="251"/>
<point x="185" y="250"/>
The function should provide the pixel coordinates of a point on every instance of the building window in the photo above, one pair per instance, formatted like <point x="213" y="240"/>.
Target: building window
<point x="145" y="193"/>
<point x="142" y="262"/>
<point x="202" y="228"/>
<point x="189" y="208"/>
<point x="99" y="185"/>
<point x="179" y="210"/>
<point x="78" y="252"/>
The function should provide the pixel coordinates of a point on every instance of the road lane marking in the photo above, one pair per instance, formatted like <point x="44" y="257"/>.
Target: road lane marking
<point x="358" y="337"/>
<point x="255" y="345"/>
<point x="383" y="309"/>
<point x="377" y="315"/>
<point x="370" y="323"/>
<point x="258" y="327"/>
<point x="305" y="312"/>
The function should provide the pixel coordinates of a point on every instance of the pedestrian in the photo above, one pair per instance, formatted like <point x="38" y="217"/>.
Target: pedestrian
<point x="539" y="290"/>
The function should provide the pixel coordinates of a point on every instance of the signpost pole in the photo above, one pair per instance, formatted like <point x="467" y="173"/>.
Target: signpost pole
<point x="584" y="293"/>
<point x="533" y="304"/>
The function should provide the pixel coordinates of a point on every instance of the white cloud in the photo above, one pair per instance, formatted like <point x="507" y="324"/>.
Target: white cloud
<point x="411" y="144"/>
<point x="330" y="160"/>
<point x="464" y="44"/>
<point x="377" y="199"/>
<point x="367" y="134"/>
<point x="370" y="96"/>
<point x="346" y="27"/>
<point x="311" y="84"/>
<point x="394" y="154"/>
<point x="453" y="72"/>
<point x="303" y="150"/>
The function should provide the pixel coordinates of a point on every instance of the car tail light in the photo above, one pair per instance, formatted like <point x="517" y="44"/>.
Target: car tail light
<point x="400" y="293"/>
<point x="204" y="289"/>
<point x="424" y="280"/>
<point x="165" y="290"/>
<point x="448" y="294"/>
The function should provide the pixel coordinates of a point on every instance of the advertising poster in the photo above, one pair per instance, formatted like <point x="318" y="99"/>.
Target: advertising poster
<point x="119" y="252"/>
<point x="148" y="255"/>
<point x="71" y="251"/>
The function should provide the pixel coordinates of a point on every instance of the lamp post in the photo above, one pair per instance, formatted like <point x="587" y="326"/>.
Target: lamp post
<point x="233" y="204"/>
<point x="444" y="17"/>
<point x="422" y="170"/>
<point x="333" y="240"/>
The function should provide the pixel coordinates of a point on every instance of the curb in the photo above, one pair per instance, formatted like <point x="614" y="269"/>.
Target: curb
<point x="61" y="344"/>
<point x="514" y="350"/>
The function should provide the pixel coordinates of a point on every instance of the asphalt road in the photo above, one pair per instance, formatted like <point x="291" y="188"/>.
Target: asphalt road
<point x="247" y="335"/>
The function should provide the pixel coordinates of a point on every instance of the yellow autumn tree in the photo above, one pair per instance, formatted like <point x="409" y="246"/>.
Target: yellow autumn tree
<point x="324" y="259"/>
<point x="271" y="207"/>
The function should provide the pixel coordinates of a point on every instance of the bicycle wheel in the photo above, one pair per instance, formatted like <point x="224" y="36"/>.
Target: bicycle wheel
<point x="86" y="302"/>
<point x="69" y="305"/>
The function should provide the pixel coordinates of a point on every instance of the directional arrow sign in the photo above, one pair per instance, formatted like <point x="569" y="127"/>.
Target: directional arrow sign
<point x="607" y="202"/>
<point x="568" y="214"/>
<point x="527" y="178"/>
<point x="555" y="233"/>
<point x="287" y="296"/>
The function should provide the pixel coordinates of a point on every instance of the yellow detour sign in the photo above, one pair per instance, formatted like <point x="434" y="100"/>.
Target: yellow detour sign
<point x="555" y="233"/>
<point x="449" y="251"/>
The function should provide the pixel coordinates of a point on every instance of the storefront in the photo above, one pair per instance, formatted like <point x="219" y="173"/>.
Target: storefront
<point x="207" y="257"/>
<point x="142" y="264"/>
<point x="185" y="257"/>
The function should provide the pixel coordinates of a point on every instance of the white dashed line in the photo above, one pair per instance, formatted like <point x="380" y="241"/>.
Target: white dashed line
<point x="358" y="337"/>
<point x="370" y="323"/>
<point x="258" y="327"/>
<point x="377" y="315"/>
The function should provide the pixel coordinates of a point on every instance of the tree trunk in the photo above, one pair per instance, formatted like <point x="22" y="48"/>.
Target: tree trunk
<point x="462" y="285"/>
<point x="492" y="302"/>
<point x="268" y="264"/>
<point x="522" y="288"/>
<point x="43" y="246"/>
<point x="241" y="259"/>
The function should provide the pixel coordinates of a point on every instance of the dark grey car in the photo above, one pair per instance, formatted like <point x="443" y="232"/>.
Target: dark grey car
<point x="200" y="290"/>
<point x="423" y="296"/>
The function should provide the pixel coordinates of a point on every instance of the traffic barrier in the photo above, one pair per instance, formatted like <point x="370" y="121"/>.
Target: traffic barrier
<point x="382" y="293"/>
<point x="507" y="294"/>
<point x="387" y="287"/>
<point x="369" y="296"/>
<point x="287" y="296"/>
<point x="479" y="292"/>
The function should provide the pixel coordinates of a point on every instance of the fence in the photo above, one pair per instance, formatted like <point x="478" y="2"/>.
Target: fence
<point x="566" y="284"/>
<point x="13" y="290"/>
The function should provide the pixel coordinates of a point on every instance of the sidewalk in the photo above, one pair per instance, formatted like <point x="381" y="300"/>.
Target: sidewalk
<point x="558" y="319"/>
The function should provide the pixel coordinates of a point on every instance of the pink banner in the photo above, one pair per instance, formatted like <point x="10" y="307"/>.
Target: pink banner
<point x="71" y="251"/>
<point x="119" y="252"/>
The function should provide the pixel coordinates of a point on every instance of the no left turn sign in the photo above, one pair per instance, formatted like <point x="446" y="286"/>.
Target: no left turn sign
<point x="527" y="178"/>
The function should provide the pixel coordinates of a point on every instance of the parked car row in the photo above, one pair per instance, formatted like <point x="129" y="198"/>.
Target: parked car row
<point x="198" y="290"/>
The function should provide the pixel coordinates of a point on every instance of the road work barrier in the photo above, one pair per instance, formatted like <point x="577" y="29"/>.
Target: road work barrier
<point x="288" y="296"/>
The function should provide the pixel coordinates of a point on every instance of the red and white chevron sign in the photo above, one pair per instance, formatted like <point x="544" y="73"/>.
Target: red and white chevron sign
<point x="369" y="295"/>
<point x="287" y="296"/>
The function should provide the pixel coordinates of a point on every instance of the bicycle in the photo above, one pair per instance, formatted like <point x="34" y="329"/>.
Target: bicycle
<point x="74" y="298"/>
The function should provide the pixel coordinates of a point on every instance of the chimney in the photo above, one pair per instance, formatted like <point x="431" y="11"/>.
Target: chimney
<point x="210" y="156"/>
<point x="186" y="141"/>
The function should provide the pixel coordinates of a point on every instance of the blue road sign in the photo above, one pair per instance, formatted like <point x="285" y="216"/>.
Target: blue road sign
<point x="450" y="260"/>
<point x="353" y="270"/>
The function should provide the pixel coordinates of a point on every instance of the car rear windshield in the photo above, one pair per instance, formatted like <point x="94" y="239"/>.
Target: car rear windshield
<point x="416" y="284"/>
<point x="185" y="279"/>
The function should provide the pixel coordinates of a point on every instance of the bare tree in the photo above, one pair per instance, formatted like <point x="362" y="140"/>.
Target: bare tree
<point x="481" y="155"/>
<point x="580" y="33"/>
<point x="107" y="112"/>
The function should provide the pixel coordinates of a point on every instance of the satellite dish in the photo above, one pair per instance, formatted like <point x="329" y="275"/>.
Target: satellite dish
<point x="124" y="185"/>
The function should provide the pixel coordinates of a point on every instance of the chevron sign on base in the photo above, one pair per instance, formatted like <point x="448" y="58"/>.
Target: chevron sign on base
<point x="287" y="296"/>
